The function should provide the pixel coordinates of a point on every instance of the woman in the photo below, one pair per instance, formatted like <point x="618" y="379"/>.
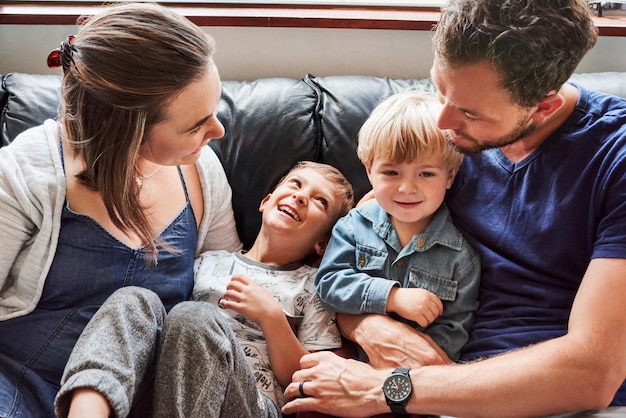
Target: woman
<point x="120" y="191"/>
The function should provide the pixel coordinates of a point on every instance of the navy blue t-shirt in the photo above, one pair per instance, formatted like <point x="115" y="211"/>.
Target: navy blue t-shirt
<point x="537" y="224"/>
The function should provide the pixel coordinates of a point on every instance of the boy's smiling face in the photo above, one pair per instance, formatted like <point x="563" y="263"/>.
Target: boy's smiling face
<point x="410" y="192"/>
<point x="305" y="206"/>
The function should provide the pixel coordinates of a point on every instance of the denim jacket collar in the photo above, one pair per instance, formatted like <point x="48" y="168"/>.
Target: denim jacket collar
<point x="441" y="230"/>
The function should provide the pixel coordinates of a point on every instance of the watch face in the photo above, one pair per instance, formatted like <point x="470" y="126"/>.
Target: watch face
<point x="397" y="388"/>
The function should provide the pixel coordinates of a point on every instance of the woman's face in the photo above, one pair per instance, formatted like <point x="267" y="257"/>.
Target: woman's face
<point x="191" y="122"/>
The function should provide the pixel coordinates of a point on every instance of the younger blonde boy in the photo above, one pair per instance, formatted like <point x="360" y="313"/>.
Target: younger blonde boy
<point x="402" y="255"/>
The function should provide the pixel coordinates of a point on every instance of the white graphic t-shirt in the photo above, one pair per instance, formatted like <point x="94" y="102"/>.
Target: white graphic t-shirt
<point x="293" y="286"/>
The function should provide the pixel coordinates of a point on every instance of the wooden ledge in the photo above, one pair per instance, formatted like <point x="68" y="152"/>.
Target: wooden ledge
<point x="273" y="16"/>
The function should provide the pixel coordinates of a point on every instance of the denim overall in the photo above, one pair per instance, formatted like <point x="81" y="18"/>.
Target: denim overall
<point x="89" y="265"/>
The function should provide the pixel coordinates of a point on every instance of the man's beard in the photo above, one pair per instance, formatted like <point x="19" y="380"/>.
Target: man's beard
<point x="474" y="147"/>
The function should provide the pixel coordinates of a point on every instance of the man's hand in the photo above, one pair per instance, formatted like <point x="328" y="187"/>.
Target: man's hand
<point x="367" y="198"/>
<point x="391" y="343"/>
<point x="347" y="388"/>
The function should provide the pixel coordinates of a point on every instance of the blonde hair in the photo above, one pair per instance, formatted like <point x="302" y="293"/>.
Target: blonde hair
<point x="404" y="128"/>
<point x="331" y="174"/>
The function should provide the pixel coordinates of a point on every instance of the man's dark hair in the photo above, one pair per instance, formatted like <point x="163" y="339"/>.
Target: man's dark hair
<point x="534" y="45"/>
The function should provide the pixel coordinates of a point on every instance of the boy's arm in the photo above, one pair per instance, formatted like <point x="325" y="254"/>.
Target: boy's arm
<point x="284" y="348"/>
<point x="251" y="300"/>
<point x="340" y="285"/>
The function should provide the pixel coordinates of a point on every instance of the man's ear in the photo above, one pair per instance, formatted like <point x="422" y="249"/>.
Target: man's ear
<point x="320" y="247"/>
<point x="548" y="106"/>
<point x="264" y="202"/>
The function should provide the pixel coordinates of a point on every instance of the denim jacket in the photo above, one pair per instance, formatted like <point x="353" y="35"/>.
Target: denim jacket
<point x="364" y="260"/>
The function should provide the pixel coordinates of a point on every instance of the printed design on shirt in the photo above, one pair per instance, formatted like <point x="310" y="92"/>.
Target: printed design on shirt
<point x="294" y="290"/>
<point x="313" y="339"/>
<point x="317" y="304"/>
<point x="261" y="367"/>
<point x="244" y="334"/>
<point x="300" y="302"/>
<point x="331" y="321"/>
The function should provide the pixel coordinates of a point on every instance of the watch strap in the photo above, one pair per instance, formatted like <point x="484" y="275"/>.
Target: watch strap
<point x="403" y="370"/>
<point x="398" y="410"/>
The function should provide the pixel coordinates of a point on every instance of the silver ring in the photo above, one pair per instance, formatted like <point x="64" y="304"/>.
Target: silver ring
<point x="301" y="389"/>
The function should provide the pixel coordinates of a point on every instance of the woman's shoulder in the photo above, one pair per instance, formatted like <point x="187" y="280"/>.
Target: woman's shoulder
<point x="210" y="169"/>
<point x="208" y="157"/>
<point x="33" y="142"/>
<point x="35" y="149"/>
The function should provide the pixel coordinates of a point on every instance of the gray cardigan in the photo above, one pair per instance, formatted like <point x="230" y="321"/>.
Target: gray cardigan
<point x="32" y="195"/>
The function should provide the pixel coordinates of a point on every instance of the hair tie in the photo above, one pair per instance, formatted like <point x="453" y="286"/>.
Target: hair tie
<point x="62" y="56"/>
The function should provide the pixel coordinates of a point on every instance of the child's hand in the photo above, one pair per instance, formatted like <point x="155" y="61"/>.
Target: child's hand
<point x="415" y="304"/>
<point x="367" y="198"/>
<point x="251" y="300"/>
<point x="88" y="402"/>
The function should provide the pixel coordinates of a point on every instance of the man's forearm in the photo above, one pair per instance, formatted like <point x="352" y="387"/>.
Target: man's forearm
<point x="390" y="343"/>
<point x="541" y="380"/>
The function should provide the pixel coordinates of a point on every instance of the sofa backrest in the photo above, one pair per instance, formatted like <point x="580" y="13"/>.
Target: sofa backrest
<point x="270" y="125"/>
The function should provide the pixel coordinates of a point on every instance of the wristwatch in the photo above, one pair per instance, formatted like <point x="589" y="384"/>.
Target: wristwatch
<point x="397" y="389"/>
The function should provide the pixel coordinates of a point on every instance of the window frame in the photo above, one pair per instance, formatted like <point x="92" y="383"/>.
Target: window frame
<point x="300" y="15"/>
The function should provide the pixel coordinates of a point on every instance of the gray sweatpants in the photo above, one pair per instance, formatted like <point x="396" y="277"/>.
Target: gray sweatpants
<point x="187" y="363"/>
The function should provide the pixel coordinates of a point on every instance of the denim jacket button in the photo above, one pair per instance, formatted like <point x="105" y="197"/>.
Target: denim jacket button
<point x="362" y="261"/>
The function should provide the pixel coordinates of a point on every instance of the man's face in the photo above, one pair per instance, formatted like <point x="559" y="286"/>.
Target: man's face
<point x="477" y="111"/>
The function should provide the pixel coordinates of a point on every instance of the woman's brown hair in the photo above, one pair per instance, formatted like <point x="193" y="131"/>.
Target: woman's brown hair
<point x="120" y="71"/>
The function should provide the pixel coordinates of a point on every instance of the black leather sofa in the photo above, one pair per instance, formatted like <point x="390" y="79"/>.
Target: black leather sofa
<point x="270" y="124"/>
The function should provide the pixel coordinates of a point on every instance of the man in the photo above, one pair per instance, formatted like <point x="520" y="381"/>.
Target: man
<point x="541" y="196"/>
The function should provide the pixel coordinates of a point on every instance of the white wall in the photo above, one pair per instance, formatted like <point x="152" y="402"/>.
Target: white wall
<point x="248" y="53"/>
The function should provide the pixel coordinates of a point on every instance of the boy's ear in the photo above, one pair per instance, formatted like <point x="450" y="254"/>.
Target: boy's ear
<point x="264" y="202"/>
<point x="451" y="176"/>
<point x="368" y="171"/>
<point x="320" y="247"/>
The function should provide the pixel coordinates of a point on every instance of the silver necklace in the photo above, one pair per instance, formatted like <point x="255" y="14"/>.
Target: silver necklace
<point x="140" y="179"/>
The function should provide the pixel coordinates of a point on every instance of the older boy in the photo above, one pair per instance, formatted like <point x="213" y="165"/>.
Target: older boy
<point x="267" y="293"/>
